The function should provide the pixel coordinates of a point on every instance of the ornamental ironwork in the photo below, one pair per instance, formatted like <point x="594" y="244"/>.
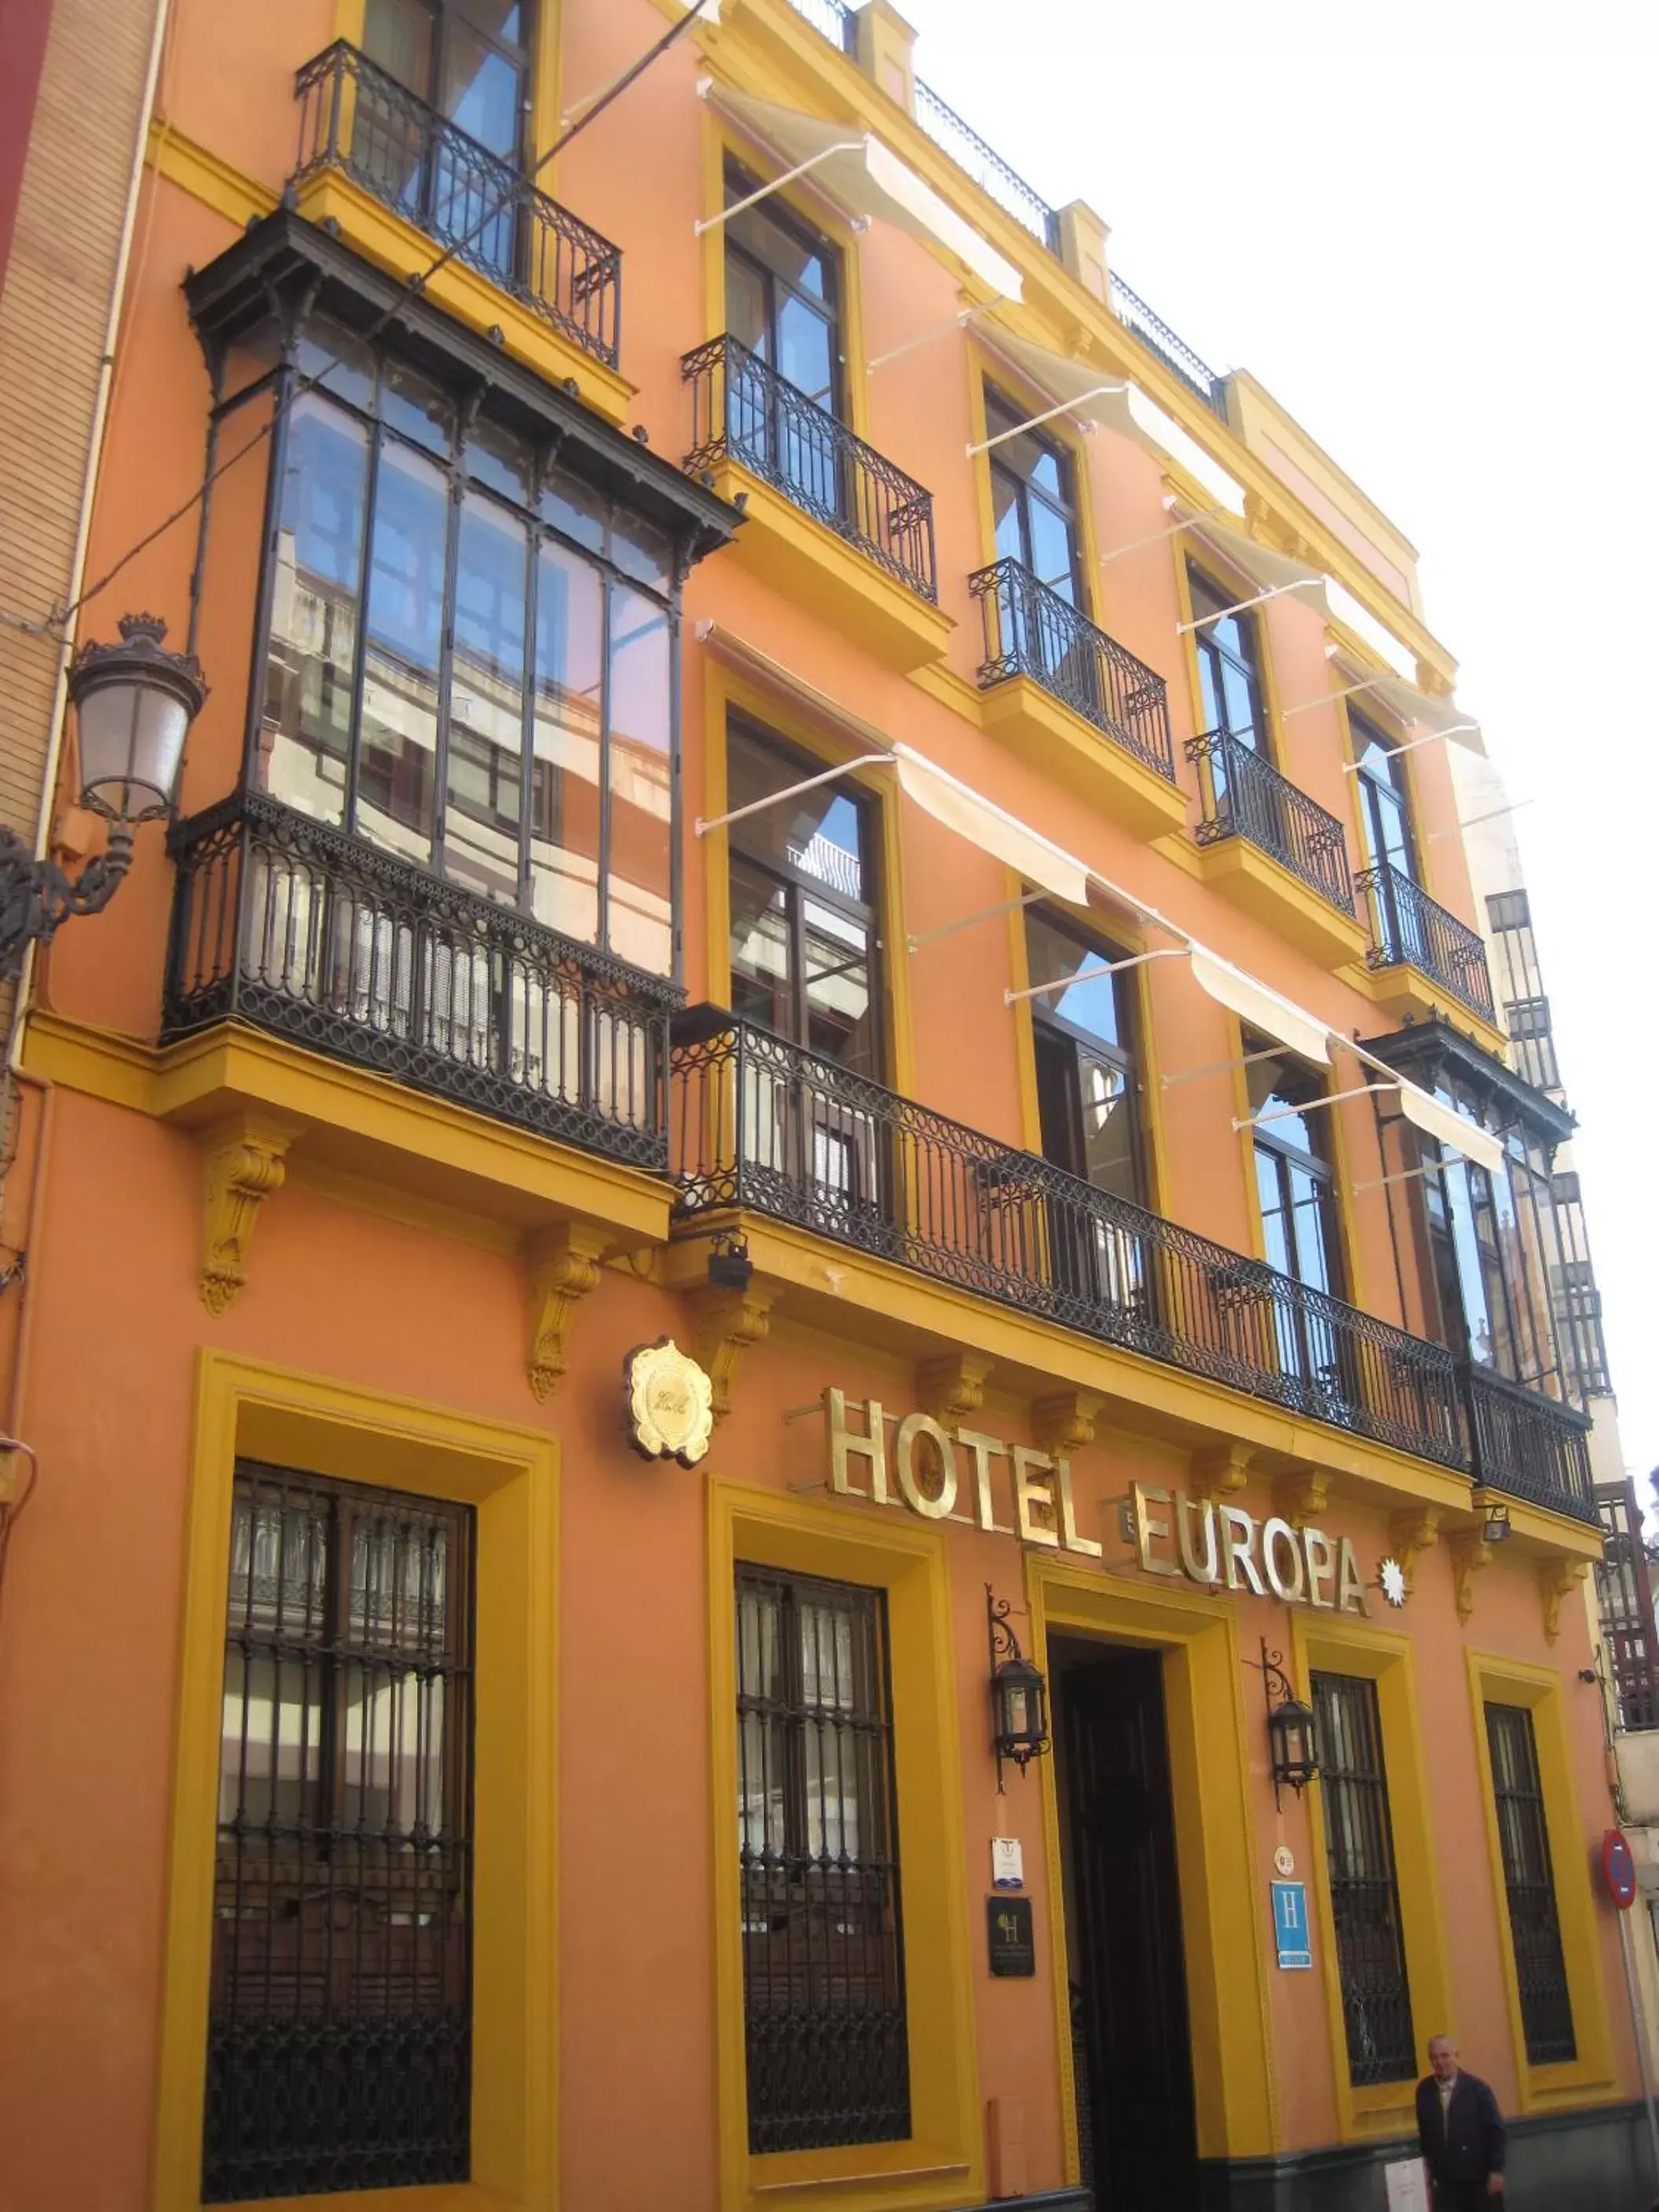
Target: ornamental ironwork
<point x="1409" y="928"/>
<point x="1540" y="1971"/>
<point x="1365" y="1887"/>
<point x="1243" y="795"/>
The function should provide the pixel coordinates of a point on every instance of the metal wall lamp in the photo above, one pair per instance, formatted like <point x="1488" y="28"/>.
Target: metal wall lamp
<point x="1497" y="1530"/>
<point x="1291" y="1750"/>
<point x="1019" y="1696"/>
<point x="134" y="704"/>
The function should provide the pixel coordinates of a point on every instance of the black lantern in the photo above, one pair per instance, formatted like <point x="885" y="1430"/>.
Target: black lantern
<point x="730" y="1267"/>
<point x="134" y="703"/>
<point x="1291" y="1750"/>
<point x="1019" y="1696"/>
<point x="1497" y="1530"/>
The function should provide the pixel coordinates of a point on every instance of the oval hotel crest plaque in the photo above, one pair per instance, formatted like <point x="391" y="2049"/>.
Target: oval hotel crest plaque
<point x="671" y="1403"/>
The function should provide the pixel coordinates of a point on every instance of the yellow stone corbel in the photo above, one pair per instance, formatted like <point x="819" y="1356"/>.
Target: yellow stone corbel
<point x="953" y="1387"/>
<point x="1412" y="1533"/>
<point x="1556" y="1577"/>
<point x="1220" y="1470"/>
<point x="563" y="1264"/>
<point x="726" y="1323"/>
<point x="1470" y="1554"/>
<point x="1066" y="1423"/>
<point x="245" y="1161"/>
<point x="1301" y="1495"/>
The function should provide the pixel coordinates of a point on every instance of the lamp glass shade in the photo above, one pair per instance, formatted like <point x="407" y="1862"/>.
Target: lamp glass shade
<point x="1020" y="1698"/>
<point x="1291" y="1729"/>
<point x="132" y="738"/>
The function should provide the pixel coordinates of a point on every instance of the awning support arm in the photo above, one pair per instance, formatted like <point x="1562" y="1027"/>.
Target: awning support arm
<point x="1351" y="768"/>
<point x="1475" y="820"/>
<point x="1088" y="974"/>
<point x="1243" y="605"/>
<point x="710" y="222"/>
<point x="958" y="322"/>
<point x="1064" y="408"/>
<point x="792" y="791"/>
<point x="1313" y="1106"/>
<point x="1220" y="1066"/>
<point x="1348" y="691"/>
<point x="970" y="920"/>
<point x="1404" y="1175"/>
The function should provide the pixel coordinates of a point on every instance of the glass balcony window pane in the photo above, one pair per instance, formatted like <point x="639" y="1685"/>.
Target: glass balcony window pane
<point x="564" y="821"/>
<point x="639" y="906"/>
<point x="486" y="708"/>
<point x="396" y="774"/>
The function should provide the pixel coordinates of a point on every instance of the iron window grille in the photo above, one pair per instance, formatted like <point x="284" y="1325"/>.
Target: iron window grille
<point x="340" y="2012"/>
<point x="822" y="1950"/>
<point x="1377" y="2007"/>
<point x="1529" y="1884"/>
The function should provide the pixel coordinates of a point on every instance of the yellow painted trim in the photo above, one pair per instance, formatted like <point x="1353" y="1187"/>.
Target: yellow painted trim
<point x="942" y="2165"/>
<point x="1333" y="1643"/>
<point x="510" y="1475"/>
<point x="793" y="553"/>
<point x="725" y="688"/>
<point x="1357" y="1288"/>
<point x="1500" y="1681"/>
<point x="1239" y="1082"/>
<point x="1222" y="1902"/>
<point x="546" y="89"/>
<point x="441" y="1151"/>
<point x="217" y="184"/>
<point x="1407" y="994"/>
<point x="349" y="16"/>
<point x="1019" y="979"/>
<point x="1068" y="749"/>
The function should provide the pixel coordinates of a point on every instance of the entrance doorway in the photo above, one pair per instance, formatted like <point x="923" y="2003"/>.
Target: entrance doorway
<point x="1131" y="2050"/>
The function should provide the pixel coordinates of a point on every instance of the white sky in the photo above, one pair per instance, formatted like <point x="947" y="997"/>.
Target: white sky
<point x="1429" y="229"/>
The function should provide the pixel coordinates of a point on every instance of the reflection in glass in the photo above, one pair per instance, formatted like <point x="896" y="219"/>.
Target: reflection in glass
<point x="564" y="802"/>
<point x="486" y="701"/>
<point x="395" y="793"/>
<point x="638" y="901"/>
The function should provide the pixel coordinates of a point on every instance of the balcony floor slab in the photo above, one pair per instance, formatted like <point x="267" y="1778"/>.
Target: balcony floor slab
<point x="1267" y="891"/>
<point x="1068" y="748"/>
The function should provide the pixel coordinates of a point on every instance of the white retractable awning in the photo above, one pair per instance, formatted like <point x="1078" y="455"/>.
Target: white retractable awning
<point x="1425" y="1111"/>
<point x="868" y="178"/>
<point x="1103" y="397"/>
<point x="1443" y="716"/>
<point x="1266" y="569"/>
<point x="1286" y="1023"/>
<point x="996" y="831"/>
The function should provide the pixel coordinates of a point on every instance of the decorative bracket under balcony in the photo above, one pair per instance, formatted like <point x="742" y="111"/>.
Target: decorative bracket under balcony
<point x="245" y="1160"/>
<point x="563" y="1264"/>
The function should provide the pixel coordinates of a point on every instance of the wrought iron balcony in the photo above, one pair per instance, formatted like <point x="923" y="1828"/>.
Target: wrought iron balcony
<point x="1528" y="1445"/>
<point x="758" y="1122"/>
<point x="1030" y="630"/>
<point x="301" y="930"/>
<point x="986" y="167"/>
<point x="355" y="119"/>
<point x="743" y="411"/>
<point x="1244" y="796"/>
<point x="1408" y="926"/>
<point x="1174" y="352"/>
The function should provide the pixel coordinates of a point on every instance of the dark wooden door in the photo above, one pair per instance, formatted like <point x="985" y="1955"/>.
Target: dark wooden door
<point x="1130" y="1995"/>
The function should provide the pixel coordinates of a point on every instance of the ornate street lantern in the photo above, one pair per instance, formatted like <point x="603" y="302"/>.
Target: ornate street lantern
<point x="1019" y="1696"/>
<point x="134" y="703"/>
<point x="1293" y="1751"/>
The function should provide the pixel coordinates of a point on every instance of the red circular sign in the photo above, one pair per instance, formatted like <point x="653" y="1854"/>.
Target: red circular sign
<point x="1619" y="1870"/>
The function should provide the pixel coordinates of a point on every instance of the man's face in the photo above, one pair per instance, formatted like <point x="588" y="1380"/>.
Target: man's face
<point x="1443" y="2057"/>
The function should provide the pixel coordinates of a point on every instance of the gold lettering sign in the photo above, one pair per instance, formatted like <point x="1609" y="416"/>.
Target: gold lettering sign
<point x="671" y="1403"/>
<point x="1218" y="1546"/>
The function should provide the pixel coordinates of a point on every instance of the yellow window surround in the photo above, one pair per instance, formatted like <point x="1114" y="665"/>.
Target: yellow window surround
<point x="1335" y="1646"/>
<point x="245" y="1408"/>
<point x="1494" y="1680"/>
<point x="942" y="2165"/>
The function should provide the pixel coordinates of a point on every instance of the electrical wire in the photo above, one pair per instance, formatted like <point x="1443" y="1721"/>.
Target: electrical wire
<point x="60" y="618"/>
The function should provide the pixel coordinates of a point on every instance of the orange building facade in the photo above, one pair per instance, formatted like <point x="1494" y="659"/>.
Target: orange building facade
<point x="870" y="819"/>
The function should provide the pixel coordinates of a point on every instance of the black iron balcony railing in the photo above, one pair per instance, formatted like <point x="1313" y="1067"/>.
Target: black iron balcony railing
<point x="758" y="1122"/>
<point x="743" y="411"/>
<point x="301" y="930"/>
<point x="355" y="119"/>
<point x="986" y="167"/>
<point x="1174" y="352"/>
<point x="1408" y="926"/>
<point x="1242" y="795"/>
<point x="1529" y="1445"/>
<point x="1030" y="630"/>
<point x="835" y="19"/>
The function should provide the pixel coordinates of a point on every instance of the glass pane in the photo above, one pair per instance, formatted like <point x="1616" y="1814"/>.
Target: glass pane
<point x="803" y="266"/>
<point x="486" y="727"/>
<point x="500" y="461"/>
<point x="1240" y="712"/>
<point x="1097" y="1005"/>
<point x="838" y="1009"/>
<point x="326" y="350"/>
<point x="1108" y="1135"/>
<point x="1308" y="1201"/>
<point x="643" y="553"/>
<point x="480" y="90"/>
<point x="564" y="799"/>
<point x="640" y="920"/>
<point x="1008" y="511"/>
<point x="1209" y="678"/>
<point x="405" y="622"/>
<point x="1275" y="1227"/>
<point x="397" y="38"/>
<point x="570" y="507"/>
<point x="306" y="736"/>
<point x="820" y="832"/>
<point x="417" y="408"/>
<point x="1471" y="1276"/>
<point x="806" y="350"/>
<point x="1053" y="556"/>
<point x="745" y="306"/>
<point x="762" y="983"/>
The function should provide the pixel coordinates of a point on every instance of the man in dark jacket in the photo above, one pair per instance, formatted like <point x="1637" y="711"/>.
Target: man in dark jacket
<point x="1461" y="2132"/>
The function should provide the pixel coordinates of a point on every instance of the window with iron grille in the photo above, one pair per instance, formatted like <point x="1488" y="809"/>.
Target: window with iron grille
<point x="1529" y="1883"/>
<point x="823" y="1953"/>
<point x="340" y="2024"/>
<point x="1376" y="2006"/>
